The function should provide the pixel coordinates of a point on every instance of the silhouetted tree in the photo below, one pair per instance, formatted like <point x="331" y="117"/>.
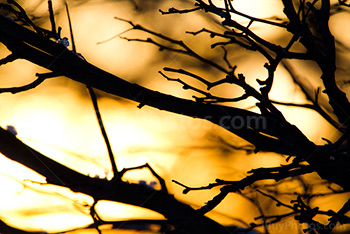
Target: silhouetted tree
<point x="309" y="39"/>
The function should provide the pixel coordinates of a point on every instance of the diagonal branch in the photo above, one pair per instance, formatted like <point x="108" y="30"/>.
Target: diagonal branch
<point x="8" y="59"/>
<point x="277" y="174"/>
<point x="266" y="131"/>
<point x="41" y="78"/>
<point x="114" y="190"/>
<point x="322" y="52"/>
<point x="95" y="104"/>
<point x="184" y="49"/>
<point x="56" y="57"/>
<point x="173" y="10"/>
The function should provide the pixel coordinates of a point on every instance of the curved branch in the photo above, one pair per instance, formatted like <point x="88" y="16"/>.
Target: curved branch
<point x="114" y="190"/>
<point x="41" y="78"/>
<point x="57" y="58"/>
<point x="267" y="131"/>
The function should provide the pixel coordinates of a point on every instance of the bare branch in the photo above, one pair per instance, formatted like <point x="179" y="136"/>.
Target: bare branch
<point x="277" y="173"/>
<point x="103" y="130"/>
<point x="216" y="99"/>
<point x="94" y="215"/>
<point x="313" y="99"/>
<point x="95" y="104"/>
<point x="254" y="19"/>
<point x="226" y="59"/>
<point x="278" y="203"/>
<point x="22" y="15"/>
<point x="114" y="190"/>
<point x="8" y="59"/>
<point x="173" y="10"/>
<point x="182" y="71"/>
<point x="209" y="98"/>
<point x="52" y="19"/>
<point x="185" y="85"/>
<point x="154" y="173"/>
<point x="185" y="49"/>
<point x="41" y="78"/>
<point x="322" y="52"/>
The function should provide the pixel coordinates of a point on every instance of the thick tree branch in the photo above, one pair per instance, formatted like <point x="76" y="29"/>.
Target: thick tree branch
<point x="268" y="132"/>
<point x="323" y="53"/>
<point x="57" y="58"/>
<point x="114" y="190"/>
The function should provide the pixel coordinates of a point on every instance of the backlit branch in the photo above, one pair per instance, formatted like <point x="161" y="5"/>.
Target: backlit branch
<point x="250" y="91"/>
<point x="323" y="52"/>
<point x="95" y="217"/>
<point x="8" y="59"/>
<point x="273" y="133"/>
<point x="209" y="98"/>
<point x="58" y="58"/>
<point x="20" y="14"/>
<point x="276" y="173"/>
<point x="231" y="23"/>
<point x="279" y="136"/>
<point x="154" y="173"/>
<point x="229" y="79"/>
<point x="101" y="189"/>
<point x="94" y="102"/>
<point x="41" y="78"/>
<point x="314" y="99"/>
<point x="305" y="214"/>
<point x="184" y="49"/>
<point x="173" y="10"/>
<point x="186" y="86"/>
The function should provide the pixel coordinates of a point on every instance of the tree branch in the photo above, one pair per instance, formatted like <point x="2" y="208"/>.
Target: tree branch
<point x="56" y="57"/>
<point x="323" y="53"/>
<point x="267" y="131"/>
<point x="114" y="190"/>
<point x="41" y="78"/>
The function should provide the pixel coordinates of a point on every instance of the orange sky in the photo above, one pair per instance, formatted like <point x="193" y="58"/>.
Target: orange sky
<point x="57" y="118"/>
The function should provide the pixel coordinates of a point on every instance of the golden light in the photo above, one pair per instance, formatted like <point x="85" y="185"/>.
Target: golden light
<point x="57" y="119"/>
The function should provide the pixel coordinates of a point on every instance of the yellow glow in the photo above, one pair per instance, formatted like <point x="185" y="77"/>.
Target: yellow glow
<point x="260" y="9"/>
<point x="267" y="10"/>
<point x="57" y="119"/>
<point x="119" y="211"/>
<point x="20" y="207"/>
<point x="336" y="25"/>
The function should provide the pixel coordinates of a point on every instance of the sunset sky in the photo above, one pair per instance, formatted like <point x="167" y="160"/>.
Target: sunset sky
<point x="57" y="117"/>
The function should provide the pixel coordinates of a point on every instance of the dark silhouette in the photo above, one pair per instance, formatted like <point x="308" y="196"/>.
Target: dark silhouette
<point x="268" y="131"/>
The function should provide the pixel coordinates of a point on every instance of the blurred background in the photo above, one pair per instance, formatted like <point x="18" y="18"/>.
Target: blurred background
<point x="57" y="118"/>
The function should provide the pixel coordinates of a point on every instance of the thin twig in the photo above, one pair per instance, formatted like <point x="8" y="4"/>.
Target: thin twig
<point x="276" y="173"/>
<point x="96" y="108"/>
<point x="173" y="10"/>
<point x="185" y="85"/>
<point x="103" y="130"/>
<point x="95" y="217"/>
<point x="115" y="36"/>
<point x="185" y="49"/>
<point x="313" y="99"/>
<point x="154" y="173"/>
<point x="70" y="29"/>
<point x="24" y="16"/>
<point x="41" y="78"/>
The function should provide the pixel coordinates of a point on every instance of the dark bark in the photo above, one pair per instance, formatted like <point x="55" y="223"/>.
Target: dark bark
<point x="178" y="213"/>
<point x="274" y="135"/>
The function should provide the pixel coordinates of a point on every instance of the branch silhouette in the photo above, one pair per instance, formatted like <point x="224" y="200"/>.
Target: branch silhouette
<point x="268" y="130"/>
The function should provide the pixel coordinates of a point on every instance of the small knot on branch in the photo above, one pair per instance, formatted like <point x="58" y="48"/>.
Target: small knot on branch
<point x="186" y="190"/>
